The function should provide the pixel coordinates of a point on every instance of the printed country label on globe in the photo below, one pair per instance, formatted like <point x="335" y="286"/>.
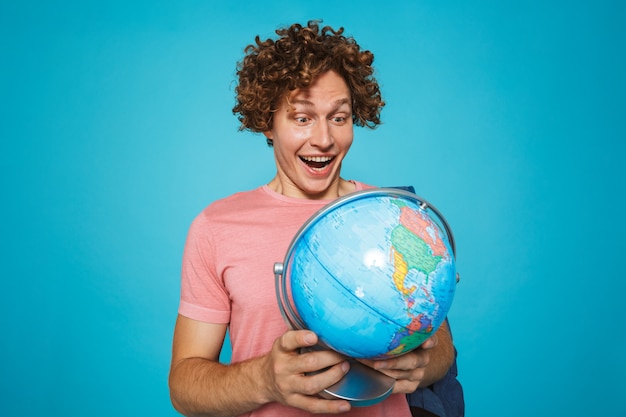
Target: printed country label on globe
<point x="373" y="274"/>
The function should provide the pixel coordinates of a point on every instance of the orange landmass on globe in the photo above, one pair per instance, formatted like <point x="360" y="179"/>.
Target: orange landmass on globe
<point x="418" y="225"/>
<point x="418" y="324"/>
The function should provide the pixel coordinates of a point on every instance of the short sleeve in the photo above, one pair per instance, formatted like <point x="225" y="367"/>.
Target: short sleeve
<point x="203" y="294"/>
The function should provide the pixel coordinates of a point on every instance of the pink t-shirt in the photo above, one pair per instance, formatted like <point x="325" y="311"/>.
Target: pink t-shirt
<point x="227" y="276"/>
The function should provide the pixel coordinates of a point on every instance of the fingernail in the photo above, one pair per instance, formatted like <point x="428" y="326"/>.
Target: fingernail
<point x="309" y="338"/>
<point x="344" y="407"/>
<point x="345" y="367"/>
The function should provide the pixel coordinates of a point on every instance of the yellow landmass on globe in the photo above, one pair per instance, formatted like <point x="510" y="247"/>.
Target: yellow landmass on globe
<point x="401" y="268"/>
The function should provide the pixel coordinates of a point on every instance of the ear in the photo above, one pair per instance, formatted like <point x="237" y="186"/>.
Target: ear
<point x="268" y="134"/>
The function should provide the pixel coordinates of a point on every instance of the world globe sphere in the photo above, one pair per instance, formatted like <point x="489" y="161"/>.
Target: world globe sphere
<point x="373" y="274"/>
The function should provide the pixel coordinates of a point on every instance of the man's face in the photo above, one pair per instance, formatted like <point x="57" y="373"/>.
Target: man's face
<point x="312" y="132"/>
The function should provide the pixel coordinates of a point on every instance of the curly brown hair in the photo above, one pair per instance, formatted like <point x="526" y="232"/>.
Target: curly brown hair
<point x="272" y="68"/>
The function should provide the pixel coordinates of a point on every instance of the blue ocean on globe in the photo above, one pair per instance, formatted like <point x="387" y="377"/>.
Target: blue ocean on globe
<point x="373" y="276"/>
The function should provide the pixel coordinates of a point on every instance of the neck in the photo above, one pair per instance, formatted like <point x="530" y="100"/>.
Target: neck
<point x="337" y="189"/>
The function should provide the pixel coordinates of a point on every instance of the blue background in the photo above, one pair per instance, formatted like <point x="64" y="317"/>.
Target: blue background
<point x="117" y="130"/>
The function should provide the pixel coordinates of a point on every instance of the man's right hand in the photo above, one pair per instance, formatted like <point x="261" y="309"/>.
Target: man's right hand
<point x="296" y="378"/>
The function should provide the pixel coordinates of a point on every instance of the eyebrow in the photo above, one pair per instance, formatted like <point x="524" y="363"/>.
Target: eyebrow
<point x="309" y="103"/>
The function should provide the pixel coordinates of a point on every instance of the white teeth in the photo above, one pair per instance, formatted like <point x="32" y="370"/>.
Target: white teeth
<point x="316" y="158"/>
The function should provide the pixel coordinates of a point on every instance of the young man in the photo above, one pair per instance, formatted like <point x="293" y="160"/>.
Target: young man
<point x="304" y="91"/>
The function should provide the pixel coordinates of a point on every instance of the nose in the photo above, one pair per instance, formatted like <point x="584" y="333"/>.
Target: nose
<point x="322" y="135"/>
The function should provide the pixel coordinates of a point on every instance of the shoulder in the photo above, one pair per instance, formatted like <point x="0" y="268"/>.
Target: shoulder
<point x="226" y="211"/>
<point x="359" y="186"/>
<point x="253" y="208"/>
<point x="235" y="204"/>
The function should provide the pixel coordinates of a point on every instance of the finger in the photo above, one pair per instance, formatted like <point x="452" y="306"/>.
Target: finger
<point x="315" y="382"/>
<point x="316" y="361"/>
<point x="305" y="390"/>
<point x="431" y="342"/>
<point x="295" y="339"/>
<point x="295" y="375"/>
<point x="405" y="386"/>
<point x="417" y="358"/>
<point x="317" y="405"/>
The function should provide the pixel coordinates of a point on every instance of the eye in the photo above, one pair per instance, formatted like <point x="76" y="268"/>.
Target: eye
<point x="301" y="120"/>
<point x="339" y="119"/>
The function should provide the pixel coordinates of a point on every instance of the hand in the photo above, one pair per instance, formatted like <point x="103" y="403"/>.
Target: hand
<point x="288" y="370"/>
<point x="409" y="369"/>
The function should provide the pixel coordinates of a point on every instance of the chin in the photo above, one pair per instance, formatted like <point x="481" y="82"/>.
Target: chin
<point x="319" y="192"/>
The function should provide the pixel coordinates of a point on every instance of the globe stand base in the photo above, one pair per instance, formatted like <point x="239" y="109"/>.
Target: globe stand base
<point x="361" y="385"/>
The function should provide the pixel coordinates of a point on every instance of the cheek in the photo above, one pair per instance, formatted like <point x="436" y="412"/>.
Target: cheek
<point x="292" y="139"/>
<point x="346" y="139"/>
<point x="285" y="151"/>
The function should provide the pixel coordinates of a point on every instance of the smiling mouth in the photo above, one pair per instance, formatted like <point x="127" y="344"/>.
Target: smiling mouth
<point x="317" y="162"/>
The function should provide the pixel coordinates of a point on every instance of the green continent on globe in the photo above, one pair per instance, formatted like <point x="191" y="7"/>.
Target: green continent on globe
<point x="416" y="253"/>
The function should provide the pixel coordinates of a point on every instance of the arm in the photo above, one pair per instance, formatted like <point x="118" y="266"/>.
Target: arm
<point x="201" y="386"/>
<point x="198" y="384"/>
<point x="441" y="357"/>
<point x="422" y="366"/>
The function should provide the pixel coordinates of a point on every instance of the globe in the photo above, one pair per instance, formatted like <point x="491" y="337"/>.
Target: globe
<point x="373" y="274"/>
